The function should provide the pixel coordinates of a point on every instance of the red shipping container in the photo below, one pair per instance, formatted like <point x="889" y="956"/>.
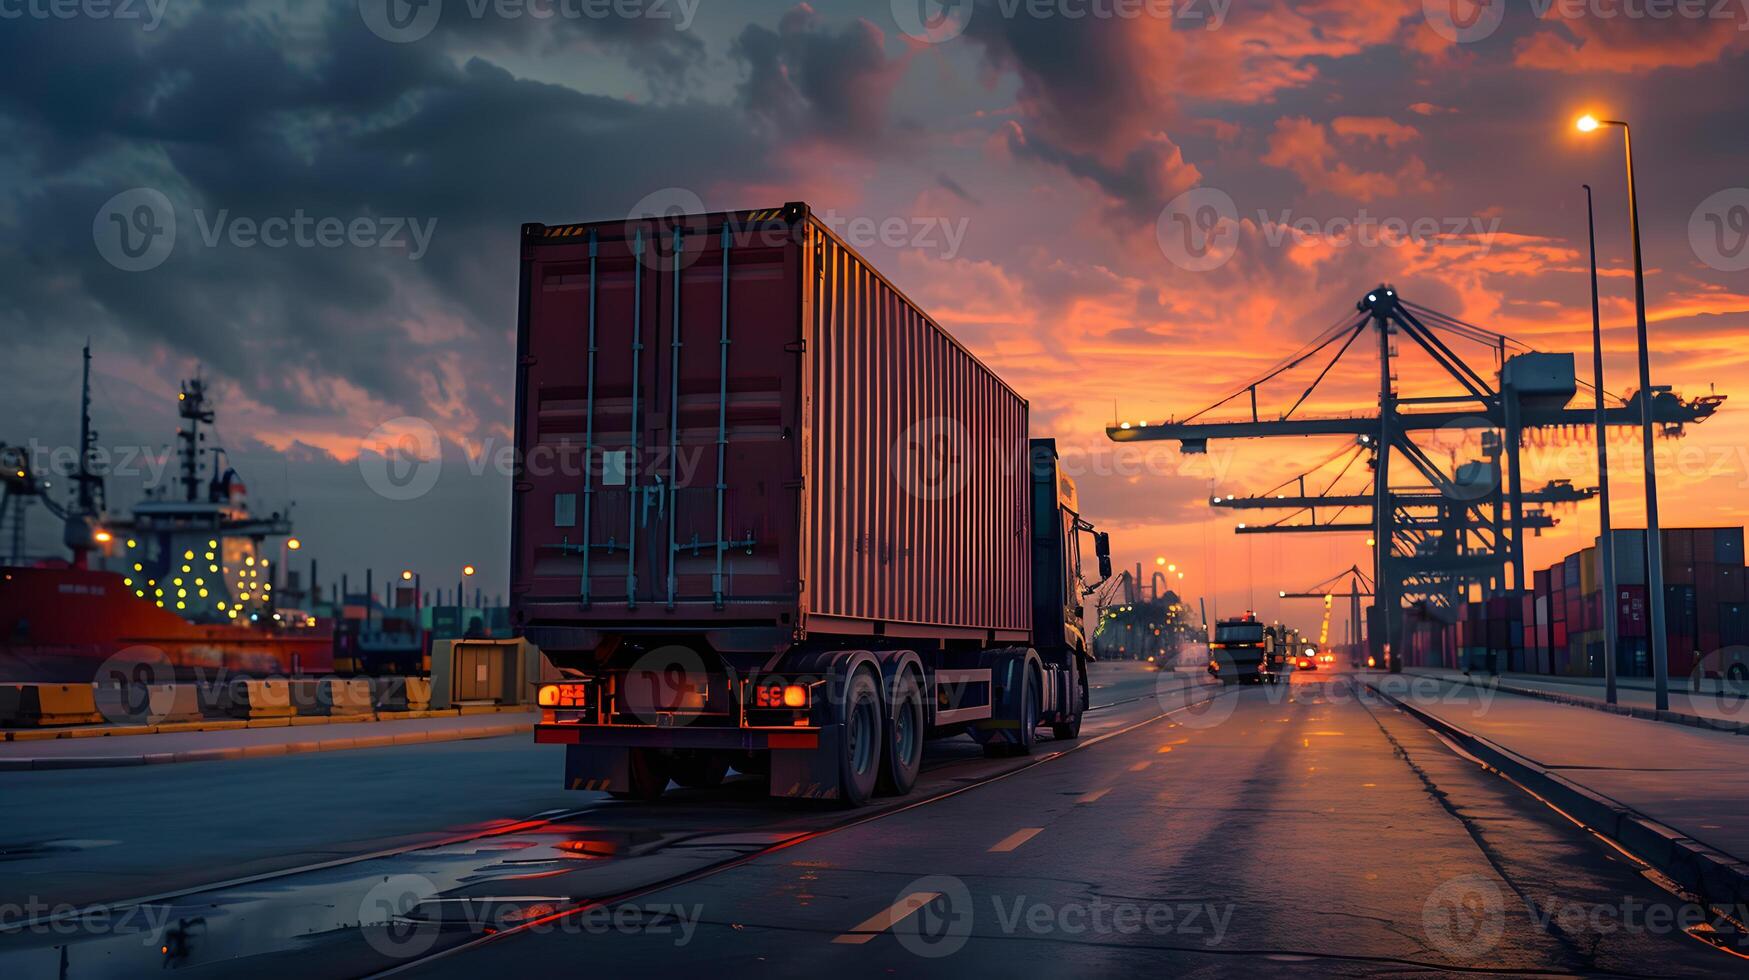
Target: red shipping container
<point x="1558" y="636"/>
<point x="1730" y="579"/>
<point x="875" y="475"/>
<point x="1678" y="546"/>
<point x="1682" y="655"/>
<point x="1631" y="615"/>
<point x="1704" y="541"/>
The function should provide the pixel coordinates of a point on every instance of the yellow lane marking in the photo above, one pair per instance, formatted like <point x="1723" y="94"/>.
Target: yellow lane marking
<point x="1164" y="749"/>
<point x="1095" y="796"/>
<point x="886" y="918"/>
<point x="1138" y="767"/>
<point x="1015" y="839"/>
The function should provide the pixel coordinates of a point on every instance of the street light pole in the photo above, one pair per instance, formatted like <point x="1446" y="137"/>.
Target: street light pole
<point x="1606" y="540"/>
<point x="1660" y="646"/>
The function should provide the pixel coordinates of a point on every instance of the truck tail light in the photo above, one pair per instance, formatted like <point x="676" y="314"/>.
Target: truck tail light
<point x="777" y="694"/>
<point x="563" y="695"/>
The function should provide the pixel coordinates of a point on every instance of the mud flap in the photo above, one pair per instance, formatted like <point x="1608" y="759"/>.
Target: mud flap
<point x="601" y="768"/>
<point x="808" y="774"/>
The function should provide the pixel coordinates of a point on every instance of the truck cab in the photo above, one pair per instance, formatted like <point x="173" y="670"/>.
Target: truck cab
<point x="1240" y="650"/>
<point x="1059" y="584"/>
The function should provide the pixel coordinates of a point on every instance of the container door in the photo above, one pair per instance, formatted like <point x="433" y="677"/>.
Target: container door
<point x="663" y="359"/>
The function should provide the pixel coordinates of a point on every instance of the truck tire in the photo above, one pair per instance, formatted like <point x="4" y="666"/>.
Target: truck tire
<point x="1021" y="740"/>
<point x="859" y="750"/>
<point x="648" y="776"/>
<point x="699" y="770"/>
<point x="902" y="755"/>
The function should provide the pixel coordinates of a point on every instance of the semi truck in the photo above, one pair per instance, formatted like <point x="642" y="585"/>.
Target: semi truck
<point x="769" y="517"/>
<point x="1242" y="650"/>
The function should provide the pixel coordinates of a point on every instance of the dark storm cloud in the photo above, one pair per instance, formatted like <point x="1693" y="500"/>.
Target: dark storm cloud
<point x="218" y="114"/>
<point x="806" y="75"/>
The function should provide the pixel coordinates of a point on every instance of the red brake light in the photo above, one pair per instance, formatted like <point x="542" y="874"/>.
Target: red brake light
<point x="563" y="695"/>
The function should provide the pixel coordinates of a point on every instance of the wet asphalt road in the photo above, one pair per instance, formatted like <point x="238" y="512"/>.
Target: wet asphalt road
<point x="1291" y="830"/>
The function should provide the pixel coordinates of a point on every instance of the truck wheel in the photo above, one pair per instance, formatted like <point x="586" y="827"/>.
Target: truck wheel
<point x="648" y="776"/>
<point x="859" y="750"/>
<point x="902" y="758"/>
<point x="699" y="770"/>
<point x="1023" y="737"/>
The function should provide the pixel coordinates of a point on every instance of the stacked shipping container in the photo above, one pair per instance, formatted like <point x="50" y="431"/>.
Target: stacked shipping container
<point x="1557" y="628"/>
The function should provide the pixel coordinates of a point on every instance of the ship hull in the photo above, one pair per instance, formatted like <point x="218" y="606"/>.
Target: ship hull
<point x="68" y="625"/>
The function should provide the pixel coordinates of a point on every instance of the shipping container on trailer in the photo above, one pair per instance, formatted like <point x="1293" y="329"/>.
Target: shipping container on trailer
<point x="763" y="501"/>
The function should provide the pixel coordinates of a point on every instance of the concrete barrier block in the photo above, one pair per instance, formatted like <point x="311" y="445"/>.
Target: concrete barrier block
<point x="253" y="699"/>
<point x="150" y="704"/>
<point x="40" y="705"/>
<point x="403" y="693"/>
<point x="331" y="696"/>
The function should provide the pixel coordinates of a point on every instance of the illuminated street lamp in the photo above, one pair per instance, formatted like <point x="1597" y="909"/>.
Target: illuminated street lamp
<point x="1654" y="538"/>
<point x="293" y="544"/>
<point x="467" y="572"/>
<point x="406" y="575"/>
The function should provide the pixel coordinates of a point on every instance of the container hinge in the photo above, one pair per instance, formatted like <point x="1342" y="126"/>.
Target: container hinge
<point x="796" y="347"/>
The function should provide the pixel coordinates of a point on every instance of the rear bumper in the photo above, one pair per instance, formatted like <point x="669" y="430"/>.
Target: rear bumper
<point x="639" y="737"/>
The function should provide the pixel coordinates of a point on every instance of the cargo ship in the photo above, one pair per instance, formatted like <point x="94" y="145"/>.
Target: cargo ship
<point x="183" y="585"/>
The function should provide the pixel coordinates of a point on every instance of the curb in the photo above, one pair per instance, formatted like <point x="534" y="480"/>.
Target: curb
<point x="1716" y="877"/>
<point x="223" y="753"/>
<point x="1581" y="701"/>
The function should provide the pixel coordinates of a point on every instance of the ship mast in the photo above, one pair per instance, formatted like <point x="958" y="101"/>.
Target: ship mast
<point x="191" y="404"/>
<point x="88" y="492"/>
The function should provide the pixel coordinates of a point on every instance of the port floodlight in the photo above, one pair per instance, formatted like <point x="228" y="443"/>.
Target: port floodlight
<point x="1587" y="123"/>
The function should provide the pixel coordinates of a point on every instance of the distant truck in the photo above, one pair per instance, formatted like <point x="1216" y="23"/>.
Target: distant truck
<point x="1243" y="652"/>
<point x="768" y="516"/>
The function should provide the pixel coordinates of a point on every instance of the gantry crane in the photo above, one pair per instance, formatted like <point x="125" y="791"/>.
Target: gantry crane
<point x="1435" y="534"/>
